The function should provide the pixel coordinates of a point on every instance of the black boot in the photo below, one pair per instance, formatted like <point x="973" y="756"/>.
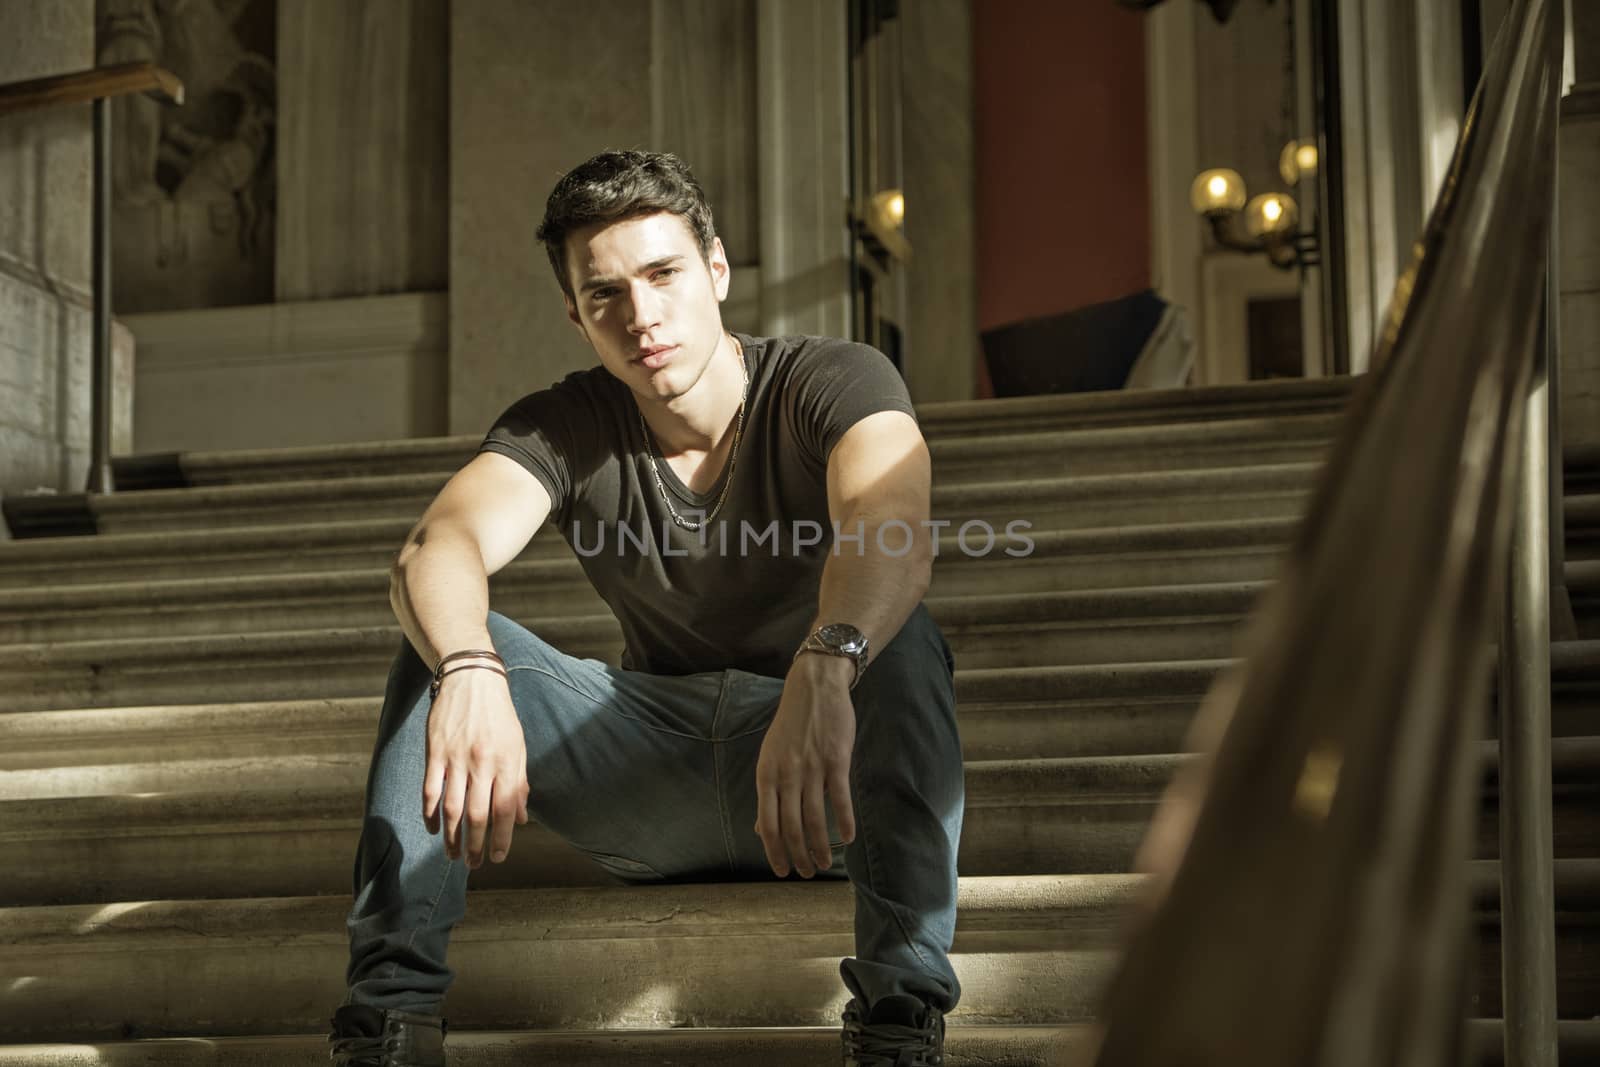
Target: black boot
<point x="386" y="1037"/>
<point x="901" y="1032"/>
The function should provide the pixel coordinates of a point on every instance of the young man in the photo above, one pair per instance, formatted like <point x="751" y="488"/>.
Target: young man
<point x="754" y="511"/>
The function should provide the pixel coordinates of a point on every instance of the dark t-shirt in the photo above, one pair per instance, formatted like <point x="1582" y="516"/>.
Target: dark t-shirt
<point x="741" y="592"/>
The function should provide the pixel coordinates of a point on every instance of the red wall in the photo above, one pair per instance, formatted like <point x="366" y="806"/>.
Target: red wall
<point x="1063" y="181"/>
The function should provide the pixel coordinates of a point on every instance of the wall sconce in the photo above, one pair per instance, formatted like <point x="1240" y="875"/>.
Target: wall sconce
<point x="1271" y="220"/>
<point x="880" y="223"/>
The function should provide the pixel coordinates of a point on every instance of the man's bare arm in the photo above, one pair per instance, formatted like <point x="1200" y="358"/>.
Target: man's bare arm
<point x="879" y="483"/>
<point x="879" y="487"/>
<point x="480" y="521"/>
<point x="477" y="757"/>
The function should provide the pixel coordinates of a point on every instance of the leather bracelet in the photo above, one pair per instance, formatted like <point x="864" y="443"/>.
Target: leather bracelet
<point x="468" y="653"/>
<point x="433" y="690"/>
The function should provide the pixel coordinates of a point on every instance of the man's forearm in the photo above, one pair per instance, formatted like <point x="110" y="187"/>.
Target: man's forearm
<point x="440" y="594"/>
<point x="870" y="588"/>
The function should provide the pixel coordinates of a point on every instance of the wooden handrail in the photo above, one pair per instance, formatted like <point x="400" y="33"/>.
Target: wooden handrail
<point x="1308" y="900"/>
<point x="94" y="84"/>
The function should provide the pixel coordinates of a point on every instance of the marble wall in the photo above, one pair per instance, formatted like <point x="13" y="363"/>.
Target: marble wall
<point x="363" y="148"/>
<point x="941" y="280"/>
<point x="1579" y="239"/>
<point x="802" y="53"/>
<point x="285" y="374"/>
<point x="705" y="112"/>
<point x="535" y="87"/>
<point x="44" y="254"/>
<point x="1585" y="15"/>
<point x="417" y="141"/>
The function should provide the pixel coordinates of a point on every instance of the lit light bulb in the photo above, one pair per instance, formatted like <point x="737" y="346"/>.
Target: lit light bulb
<point x="1217" y="192"/>
<point x="896" y="206"/>
<point x="1297" y="160"/>
<point x="890" y="208"/>
<point x="1271" y="215"/>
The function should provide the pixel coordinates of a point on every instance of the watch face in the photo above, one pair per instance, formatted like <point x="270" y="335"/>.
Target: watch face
<point x="842" y="636"/>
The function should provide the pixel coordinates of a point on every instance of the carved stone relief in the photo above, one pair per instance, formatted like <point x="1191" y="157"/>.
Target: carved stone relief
<point x="193" y="187"/>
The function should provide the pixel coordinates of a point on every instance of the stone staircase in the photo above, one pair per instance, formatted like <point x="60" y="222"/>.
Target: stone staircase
<point x="188" y="701"/>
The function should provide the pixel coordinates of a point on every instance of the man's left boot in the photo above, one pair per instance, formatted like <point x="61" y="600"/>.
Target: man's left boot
<point x="385" y="1037"/>
<point x="902" y="1031"/>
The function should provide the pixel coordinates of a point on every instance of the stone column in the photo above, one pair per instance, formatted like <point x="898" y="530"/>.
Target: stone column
<point x="1578" y="221"/>
<point x="536" y="86"/>
<point x="942" y="282"/>
<point x="363" y="148"/>
<point x="44" y="254"/>
<point x="802" y="56"/>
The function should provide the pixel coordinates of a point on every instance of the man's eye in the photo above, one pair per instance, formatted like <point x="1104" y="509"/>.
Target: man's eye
<point x="602" y="294"/>
<point x="666" y="272"/>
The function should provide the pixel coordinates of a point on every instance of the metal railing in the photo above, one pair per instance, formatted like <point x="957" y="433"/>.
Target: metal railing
<point x="1309" y="900"/>
<point x="98" y="85"/>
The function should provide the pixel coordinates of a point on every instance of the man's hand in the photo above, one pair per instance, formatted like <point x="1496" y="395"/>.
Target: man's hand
<point x="806" y="756"/>
<point x="477" y="765"/>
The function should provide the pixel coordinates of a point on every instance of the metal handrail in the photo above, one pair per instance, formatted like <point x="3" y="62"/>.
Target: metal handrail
<point x="99" y="85"/>
<point x="1308" y="899"/>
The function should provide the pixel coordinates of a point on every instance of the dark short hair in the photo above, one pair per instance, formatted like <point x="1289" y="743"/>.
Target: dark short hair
<point x="621" y="185"/>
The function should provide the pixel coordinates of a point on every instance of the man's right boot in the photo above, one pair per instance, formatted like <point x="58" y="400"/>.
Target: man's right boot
<point x="385" y="1037"/>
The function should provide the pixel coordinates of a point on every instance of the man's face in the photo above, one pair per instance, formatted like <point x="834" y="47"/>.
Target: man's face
<point x="647" y="302"/>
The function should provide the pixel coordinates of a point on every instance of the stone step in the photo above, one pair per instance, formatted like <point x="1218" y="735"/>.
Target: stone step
<point x="53" y="573"/>
<point x="558" y="587"/>
<point x="1148" y="418"/>
<point x="553" y="588"/>
<point x="796" y="1046"/>
<point x="1090" y="710"/>
<point x="1037" y="629"/>
<point x="1581" y="467"/>
<point x="301" y="548"/>
<point x="1582" y="514"/>
<point x="1120" y="709"/>
<point x="292" y="829"/>
<point x="1060" y="450"/>
<point x="1069" y="1045"/>
<point x="1028" y="950"/>
<point x="1583" y="586"/>
<point x="1265" y="490"/>
<point x="1022" y="818"/>
<point x="228" y="552"/>
<point x="1101" y="433"/>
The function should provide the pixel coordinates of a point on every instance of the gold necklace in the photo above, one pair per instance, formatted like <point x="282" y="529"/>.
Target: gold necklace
<point x="733" y="454"/>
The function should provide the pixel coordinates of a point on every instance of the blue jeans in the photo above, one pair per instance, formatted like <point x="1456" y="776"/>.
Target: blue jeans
<point x="610" y="751"/>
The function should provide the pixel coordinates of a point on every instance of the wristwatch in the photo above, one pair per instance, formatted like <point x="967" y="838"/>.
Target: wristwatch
<point x="839" y="639"/>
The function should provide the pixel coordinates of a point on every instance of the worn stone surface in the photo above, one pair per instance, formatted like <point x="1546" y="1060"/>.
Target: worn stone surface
<point x="1586" y="40"/>
<point x="279" y="375"/>
<point x="363" y="148"/>
<point x="44" y="249"/>
<point x="44" y="155"/>
<point x="703" y="105"/>
<point x="536" y="86"/>
<point x="1579" y="240"/>
<point x="942" y="285"/>
<point x="1580" y="368"/>
<point x="802" y="55"/>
